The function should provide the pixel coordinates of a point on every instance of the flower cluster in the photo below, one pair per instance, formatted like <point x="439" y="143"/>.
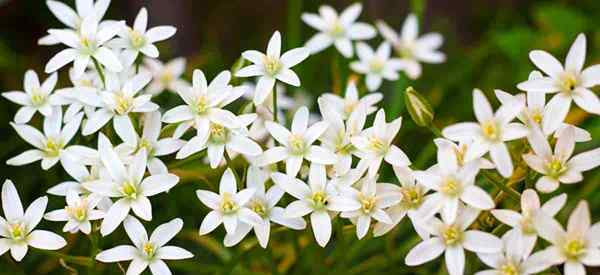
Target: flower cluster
<point x="328" y="163"/>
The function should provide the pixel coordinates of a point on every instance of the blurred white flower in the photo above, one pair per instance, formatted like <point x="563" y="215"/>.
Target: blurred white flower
<point x="272" y="66"/>
<point x="36" y="98"/>
<point x="18" y="228"/>
<point x="167" y="76"/>
<point x="351" y="101"/>
<point x="78" y="213"/>
<point x="147" y="252"/>
<point x="376" y="65"/>
<point x="337" y="30"/>
<point x="411" y="48"/>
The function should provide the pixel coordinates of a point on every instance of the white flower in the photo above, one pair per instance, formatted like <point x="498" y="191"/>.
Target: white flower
<point x="89" y="83"/>
<point x="338" y="30"/>
<point x="350" y="102"/>
<point x="18" y="228"/>
<point x="411" y="195"/>
<point x="371" y="200"/>
<point x="571" y="83"/>
<point x="411" y="48"/>
<point x="558" y="167"/>
<point x="523" y="223"/>
<point x="491" y="131"/>
<point x="86" y="45"/>
<point x="576" y="247"/>
<point x="117" y="101"/>
<point x="453" y="238"/>
<point x="234" y="140"/>
<point x="297" y="145"/>
<point x="272" y="66"/>
<point x="264" y="204"/>
<point x="36" y="98"/>
<point x="80" y="176"/>
<point x="73" y="18"/>
<point x="166" y="76"/>
<point x="78" y="213"/>
<point x="229" y="207"/>
<point x="317" y="199"/>
<point x="453" y="184"/>
<point x="150" y="141"/>
<point x="376" y="143"/>
<point x="202" y="107"/>
<point x="147" y="252"/>
<point x="337" y="137"/>
<point x="51" y="146"/>
<point x="128" y="185"/>
<point x="140" y="39"/>
<point x="447" y="148"/>
<point x="376" y="65"/>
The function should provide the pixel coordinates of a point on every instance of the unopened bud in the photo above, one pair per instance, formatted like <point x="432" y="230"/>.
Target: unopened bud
<point x="418" y="107"/>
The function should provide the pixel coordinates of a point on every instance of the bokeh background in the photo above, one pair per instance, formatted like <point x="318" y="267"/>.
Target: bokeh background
<point x="486" y="42"/>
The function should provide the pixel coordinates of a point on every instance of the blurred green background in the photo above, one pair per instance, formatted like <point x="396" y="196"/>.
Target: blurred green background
<point x="486" y="42"/>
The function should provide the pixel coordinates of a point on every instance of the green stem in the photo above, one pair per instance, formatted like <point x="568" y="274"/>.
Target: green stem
<point x="435" y="130"/>
<point x="100" y="71"/>
<point x="79" y="260"/>
<point x="230" y="165"/>
<point x="275" y="111"/>
<point x="501" y="184"/>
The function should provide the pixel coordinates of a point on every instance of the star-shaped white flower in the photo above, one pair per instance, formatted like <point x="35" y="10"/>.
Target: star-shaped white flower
<point x="150" y="141"/>
<point x="36" y="98"/>
<point x="140" y="39"/>
<point x="452" y="238"/>
<point x="78" y="213"/>
<point x="85" y="45"/>
<point x="229" y="207"/>
<point x="411" y="48"/>
<point x="558" y="166"/>
<point x="117" y="101"/>
<point x="317" y="198"/>
<point x="523" y="223"/>
<point x="147" y="252"/>
<point x="73" y="18"/>
<point x="376" y="65"/>
<point x="339" y="30"/>
<point x="272" y="66"/>
<point x="490" y="132"/>
<point x="570" y="83"/>
<point x="447" y="149"/>
<point x="166" y="76"/>
<point x="350" y="102"/>
<point x="128" y="185"/>
<point x="376" y="144"/>
<point x="297" y="145"/>
<point x="18" y="228"/>
<point x="576" y="247"/>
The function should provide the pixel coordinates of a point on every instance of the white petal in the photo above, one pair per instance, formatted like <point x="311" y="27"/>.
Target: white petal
<point x="117" y="254"/>
<point x="476" y="197"/>
<point x="135" y="231"/>
<point x="501" y="158"/>
<point x="11" y="203"/>
<point x="576" y="56"/>
<point x="425" y="251"/>
<point x="165" y="232"/>
<point x="210" y="222"/>
<point x="173" y="253"/>
<point x="547" y="63"/>
<point x="321" y="225"/>
<point x="115" y="215"/>
<point x="160" y="33"/>
<point x="585" y="161"/>
<point x="47" y="240"/>
<point x="481" y="242"/>
<point x="455" y="260"/>
<point x="294" y="56"/>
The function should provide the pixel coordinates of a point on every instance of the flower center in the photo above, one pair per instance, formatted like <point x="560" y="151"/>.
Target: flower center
<point x="166" y="77"/>
<point x="527" y="224"/>
<point x="349" y="107"/>
<point x="129" y="190"/>
<point x="412" y="197"/>
<point x="38" y="98"/>
<point x="272" y="65"/>
<point x="573" y="249"/>
<point x="337" y="30"/>
<point x="78" y="212"/>
<point x="376" y="65"/>
<point x="451" y="187"/>
<point x="123" y="104"/>
<point x="367" y="203"/>
<point x="17" y="231"/>
<point x="201" y="106"/>
<point x="228" y="205"/>
<point x="405" y="49"/>
<point x="259" y="208"/>
<point x="319" y="200"/>
<point x="509" y="269"/>
<point x="555" y="167"/>
<point x="460" y="153"/>
<point x="569" y="82"/>
<point x="377" y="145"/>
<point x="145" y="144"/>
<point x="86" y="83"/>
<point x="88" y="46"/>
<point x="490" y="130"/>
<point x="218" y="134"/>
<point x="149" y="250"/>
<point x="452" y="235"/>
<point x="53" y="147"/>
<point x="536" y="115"/>
<point x="137" y="39"/>
<point x="297" y="146"/>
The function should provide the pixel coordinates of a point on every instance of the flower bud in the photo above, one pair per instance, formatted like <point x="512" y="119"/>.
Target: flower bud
<point x="418" y="107"/>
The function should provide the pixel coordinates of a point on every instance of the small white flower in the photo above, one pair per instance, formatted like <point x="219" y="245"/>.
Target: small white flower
<point x="376" y="65"/>
<point x="491" y="131"/>
<point x="411" y="48"/>
<point x="264" y="204"/>
<point x="128" y="185"/>
<point x="36" y="98"/>
<point x="376" y="144"/>
<point x="339" y="30"/>
<point x="140" y="39"/>
<point x="350" y="102"/>
<point x="372" y="199"/>
<point x="523" y="223"/>
<point x="453" y="238"/>
<point x="297" y="145"/>
<point x="571" y="83"/>
<point x="558" y="167"/>
<point x="150" y="141"/>
<point x="272" y="66"/>
<point x="117" y="101"/>
<point x="576" y="247"/>
<point x="448" y="149"/>
<point x="317" y="199"/>
<point x="234" y="140"/>
<point x="80" y="176"/>
<point x="453" y="184"/>
<point x="86" y="45"/>
<point x="147" y="252"/>
<point x="166" y="76"/>
<point x="18" y="228"/>
<point x="78" y="213"/>
<point x="73" y="18"/>
<point x="87" y="85"/>
<point x="229" y="207"/>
